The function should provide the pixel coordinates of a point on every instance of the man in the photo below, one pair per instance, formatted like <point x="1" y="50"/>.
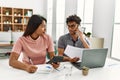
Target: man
<point x="74" y="38"/>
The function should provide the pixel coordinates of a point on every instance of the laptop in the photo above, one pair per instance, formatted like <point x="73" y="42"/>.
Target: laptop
<point x="92" y="58"/>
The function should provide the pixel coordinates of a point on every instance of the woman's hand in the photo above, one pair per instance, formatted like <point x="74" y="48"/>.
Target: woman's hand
<point x="55" y="65"/>
<point x="31" y="68"/>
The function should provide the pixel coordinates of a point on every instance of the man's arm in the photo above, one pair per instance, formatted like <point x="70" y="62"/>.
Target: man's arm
<point x="65" y="58"/>
<point x="82" y="38"/>
<point x="55" y="65"/>
<point x="60" y="51"/>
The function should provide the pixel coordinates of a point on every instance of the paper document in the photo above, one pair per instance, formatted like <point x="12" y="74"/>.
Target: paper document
<point x="44" y="68"/>
<point x="72" y="52"/>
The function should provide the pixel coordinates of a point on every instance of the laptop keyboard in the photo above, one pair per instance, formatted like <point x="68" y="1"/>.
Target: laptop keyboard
<point x="77" y="65"/>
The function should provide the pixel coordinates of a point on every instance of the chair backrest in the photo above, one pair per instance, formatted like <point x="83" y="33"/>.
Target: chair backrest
<point x="54" y="52"/>
<point x="5" y="36"/>
<point x="16" y="35"/>
<point x="96" y="42"/>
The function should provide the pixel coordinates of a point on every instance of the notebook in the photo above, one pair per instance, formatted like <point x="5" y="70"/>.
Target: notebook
<point x="92" y="58"/>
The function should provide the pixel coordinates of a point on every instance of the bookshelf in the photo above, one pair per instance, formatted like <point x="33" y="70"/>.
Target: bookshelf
<point x="0" y="18"/>
<point x="14" y="19"/>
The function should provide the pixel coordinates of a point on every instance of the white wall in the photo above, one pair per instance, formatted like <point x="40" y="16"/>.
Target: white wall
<point x="38" y="6"/>
<point x="103" y="20"/>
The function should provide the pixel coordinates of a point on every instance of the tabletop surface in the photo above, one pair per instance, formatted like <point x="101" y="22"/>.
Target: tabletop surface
<point x="110" y="71"/>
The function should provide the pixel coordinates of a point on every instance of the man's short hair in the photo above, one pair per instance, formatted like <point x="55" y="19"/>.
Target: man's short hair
<point x="74" y="18"/>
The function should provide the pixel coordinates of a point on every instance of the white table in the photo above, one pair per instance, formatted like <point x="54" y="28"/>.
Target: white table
<point x="111" y="71"/>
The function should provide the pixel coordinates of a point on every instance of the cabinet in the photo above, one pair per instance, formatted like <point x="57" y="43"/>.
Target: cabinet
<point x="14" y="19"/>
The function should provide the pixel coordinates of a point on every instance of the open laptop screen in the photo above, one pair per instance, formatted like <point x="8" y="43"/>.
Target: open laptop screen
<point x="92" y="58"/>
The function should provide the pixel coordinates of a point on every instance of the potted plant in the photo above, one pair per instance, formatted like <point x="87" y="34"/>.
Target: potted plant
<point x="85" y="70"/>
<point x="88" y="34"/>
<point x="11" y="42"/>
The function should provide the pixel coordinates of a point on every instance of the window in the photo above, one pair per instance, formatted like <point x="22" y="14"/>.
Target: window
<point x="85" y="11"/>
<point x="49" y="16"/>
<point x="60" y="18"/>
<point x="115" y="53"/>
<point x="60" y="14"/>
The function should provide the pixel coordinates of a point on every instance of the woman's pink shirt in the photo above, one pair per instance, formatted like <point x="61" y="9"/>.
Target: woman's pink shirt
<point x="34" y="50"/>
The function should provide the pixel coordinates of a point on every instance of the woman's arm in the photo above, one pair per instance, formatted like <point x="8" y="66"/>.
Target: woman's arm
<point x="13" y="61"/>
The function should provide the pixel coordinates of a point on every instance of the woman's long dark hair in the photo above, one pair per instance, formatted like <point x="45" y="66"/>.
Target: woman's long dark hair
<point x="33" y="24"/>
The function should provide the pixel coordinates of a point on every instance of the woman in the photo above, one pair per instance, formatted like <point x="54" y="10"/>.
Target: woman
<point x="34" y="44"/>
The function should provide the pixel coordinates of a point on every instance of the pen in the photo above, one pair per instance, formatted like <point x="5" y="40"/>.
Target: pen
<point x="30" y="60"/>
<point x="50" y="68"/>
<point x="57" y="69"/>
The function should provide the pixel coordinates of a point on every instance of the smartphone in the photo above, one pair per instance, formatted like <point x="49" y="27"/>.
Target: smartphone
<point x="55" y="59"/>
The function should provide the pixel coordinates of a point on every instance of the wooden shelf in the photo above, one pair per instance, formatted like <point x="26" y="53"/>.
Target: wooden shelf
<point x="0" y="18"/>
<point x="14" y="18"/>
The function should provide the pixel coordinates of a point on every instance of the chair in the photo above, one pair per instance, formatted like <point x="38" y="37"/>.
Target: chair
<point x="48" y="57"/>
